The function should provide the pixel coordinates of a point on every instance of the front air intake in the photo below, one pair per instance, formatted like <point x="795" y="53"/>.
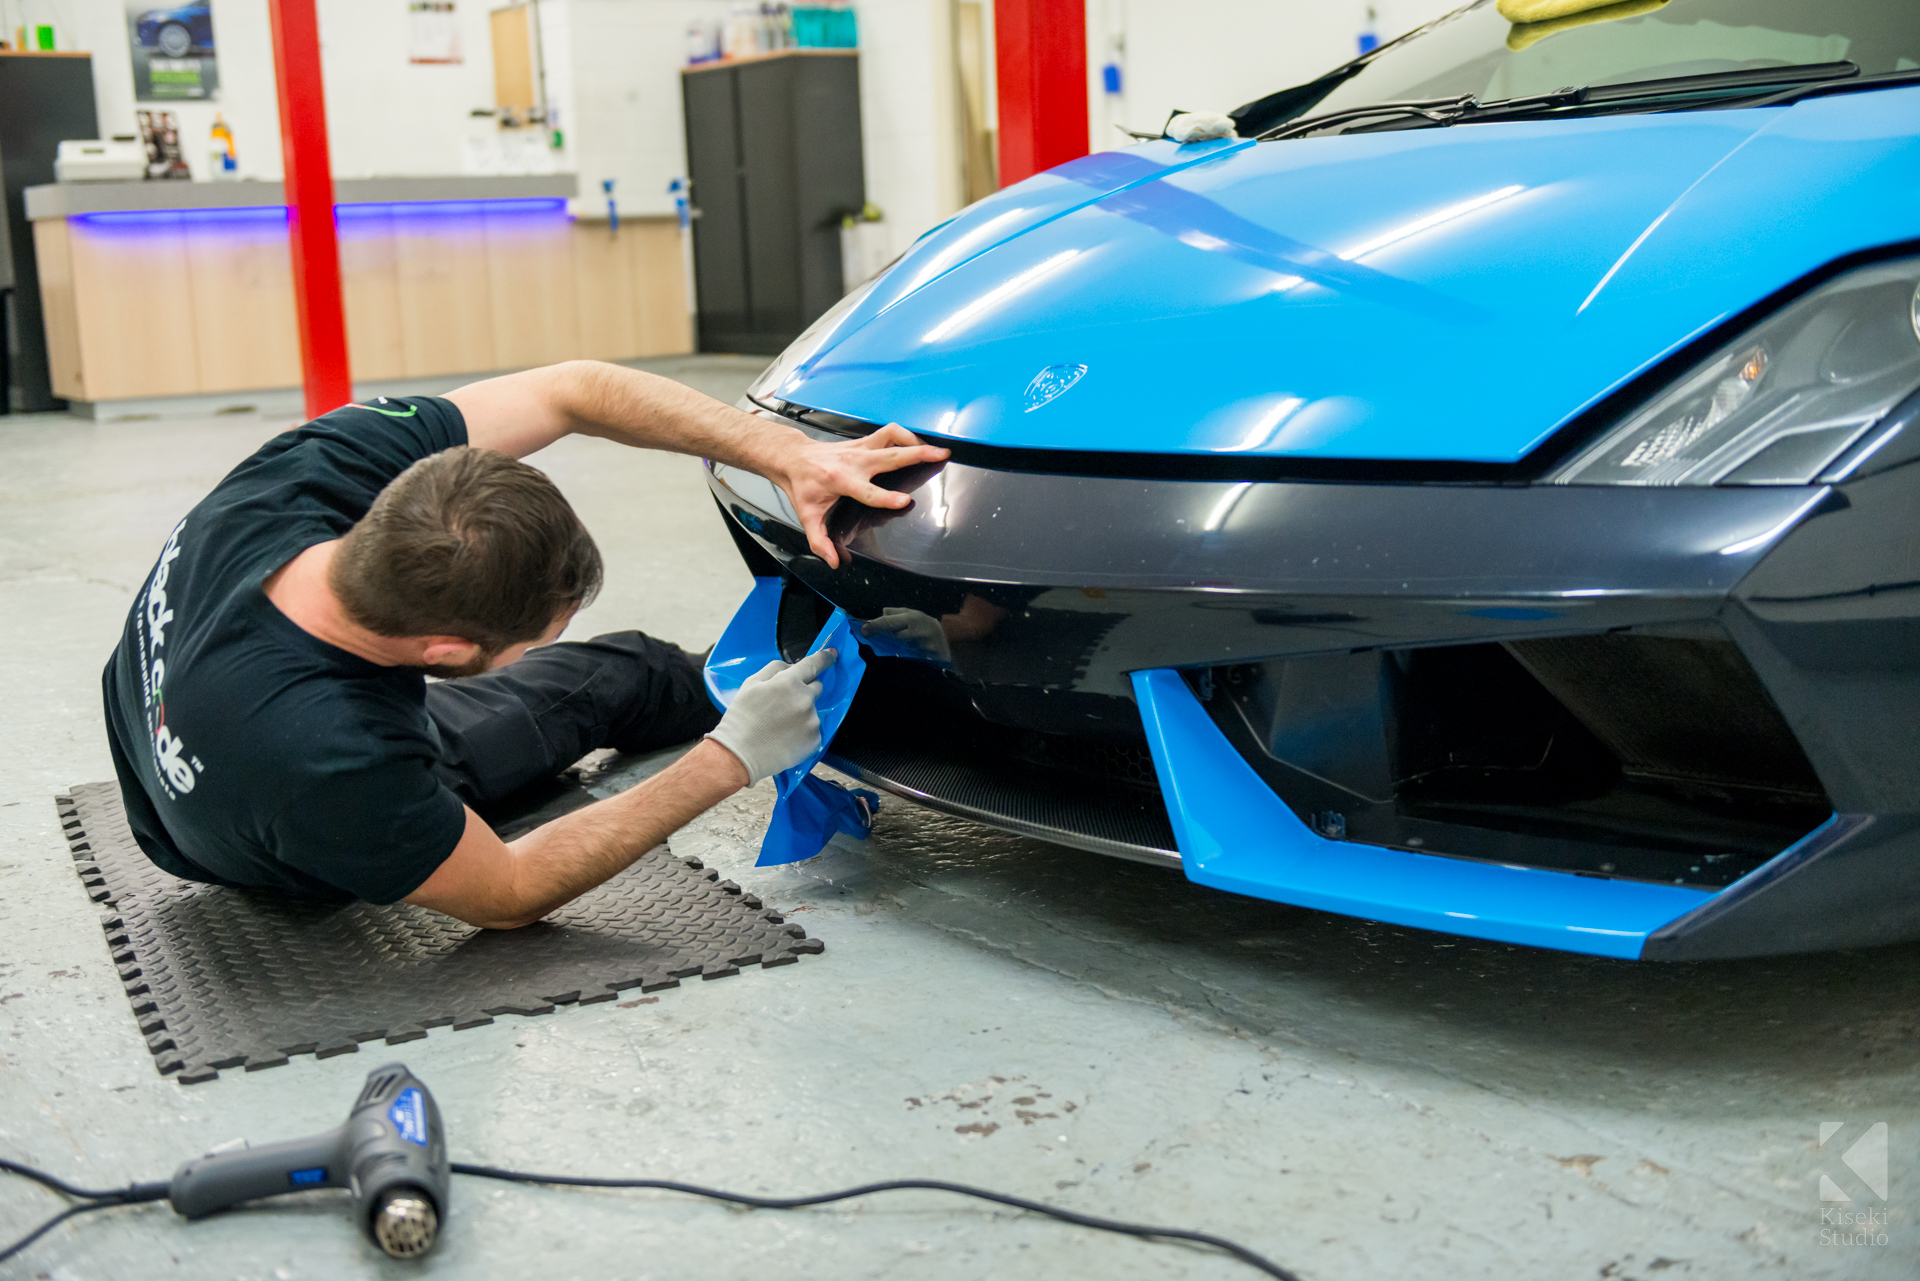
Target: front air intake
<point x="1650" y="755"/>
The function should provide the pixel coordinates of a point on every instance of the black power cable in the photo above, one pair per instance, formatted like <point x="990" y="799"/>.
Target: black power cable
<point x="133" y="1194"/>
<point x="1120" y="1226"/>
<point x="137" y="1193"/>
<point x="55" y="1222"/>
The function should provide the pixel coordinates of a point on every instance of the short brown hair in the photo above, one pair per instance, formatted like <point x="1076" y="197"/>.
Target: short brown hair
<point x="468" y="543"/>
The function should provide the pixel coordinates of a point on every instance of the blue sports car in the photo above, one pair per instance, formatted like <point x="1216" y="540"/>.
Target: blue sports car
<point x="176" y="33"/>
<point x="1482" y="495"/>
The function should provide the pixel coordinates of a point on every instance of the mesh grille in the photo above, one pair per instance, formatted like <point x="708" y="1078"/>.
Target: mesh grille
<point x="1128" y="763"/>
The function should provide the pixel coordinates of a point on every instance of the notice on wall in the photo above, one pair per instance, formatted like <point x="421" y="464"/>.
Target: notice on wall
<point x="173" y="54"/>
<point x="433" y="32"/>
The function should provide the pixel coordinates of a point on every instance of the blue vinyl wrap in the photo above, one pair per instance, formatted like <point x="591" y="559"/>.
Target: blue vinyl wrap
<point x="748" y="644"/>
<point x="812" y="814"/>
<point x="807" y="811"/>
<point x="1423" y="294"/>
<point x="838" y="685"/>
<point x="1235" y="834"/>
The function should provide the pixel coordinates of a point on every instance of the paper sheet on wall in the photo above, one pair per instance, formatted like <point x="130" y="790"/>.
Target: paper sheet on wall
<point x="433" y="32"/>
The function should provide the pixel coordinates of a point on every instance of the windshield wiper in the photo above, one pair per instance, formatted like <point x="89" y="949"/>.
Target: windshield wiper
<point x="1253" y="119"/>
<point x="1878" y="80"/>
<point x="1717" y="81"/>
<point x="1439" y="111"/>
<point x="1466" y="107"/>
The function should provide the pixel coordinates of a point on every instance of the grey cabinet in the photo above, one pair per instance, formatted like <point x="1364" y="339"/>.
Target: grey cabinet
<point x="773" y="153"/>
<point x="45" y="99"/>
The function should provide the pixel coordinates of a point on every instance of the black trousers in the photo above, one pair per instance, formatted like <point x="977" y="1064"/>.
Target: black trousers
<point x="531" y="719"/>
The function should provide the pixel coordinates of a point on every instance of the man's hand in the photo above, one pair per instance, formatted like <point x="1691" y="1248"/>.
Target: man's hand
<point x="816" y="474"/>
<point x="520" y="413"/>
<point x="772" y="724"/>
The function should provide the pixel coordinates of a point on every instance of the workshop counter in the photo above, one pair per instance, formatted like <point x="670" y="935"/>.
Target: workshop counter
<point x="156" y="289"/>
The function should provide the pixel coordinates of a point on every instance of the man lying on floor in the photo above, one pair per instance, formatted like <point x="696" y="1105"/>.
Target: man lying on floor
<point x="267" y="704"/>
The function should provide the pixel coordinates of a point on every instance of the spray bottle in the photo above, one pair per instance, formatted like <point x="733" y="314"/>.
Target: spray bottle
<point x="222" y="160"/>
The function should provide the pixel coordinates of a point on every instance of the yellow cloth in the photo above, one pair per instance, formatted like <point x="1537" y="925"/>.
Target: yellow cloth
<point x="1554" y="16"/>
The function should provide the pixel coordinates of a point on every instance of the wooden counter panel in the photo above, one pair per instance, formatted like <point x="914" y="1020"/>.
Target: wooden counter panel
<point x="632" y="290"/>
<point x="245" y="334"/>
<point x="660" y="286"/>
<point x="603" y="283"/>
<point x="178" y="306"/>
<point x="370" y="295"/>
<point x="536" y="320"/>
<point x="53" y="251"/>
<point x="138" y="336"/>
<point x="446" y="296"/>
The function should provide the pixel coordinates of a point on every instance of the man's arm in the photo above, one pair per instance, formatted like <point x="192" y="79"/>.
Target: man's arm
<point x="499" y="885"/>
<point x="771" y="725"/>
<point x="520" y="413"/>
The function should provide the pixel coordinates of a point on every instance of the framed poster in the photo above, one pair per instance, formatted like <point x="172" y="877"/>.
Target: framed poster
<point x="173" y="52"/>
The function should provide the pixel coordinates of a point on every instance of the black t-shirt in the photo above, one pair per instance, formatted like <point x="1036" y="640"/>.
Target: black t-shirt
<point x="249" y="752"/>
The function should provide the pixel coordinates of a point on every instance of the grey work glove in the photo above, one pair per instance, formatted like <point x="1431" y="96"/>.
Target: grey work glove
<point x="772" y="725"/>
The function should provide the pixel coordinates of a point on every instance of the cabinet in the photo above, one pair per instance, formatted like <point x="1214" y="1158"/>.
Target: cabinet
<point x="773" y="153"/>
<point x="45" y="98"/>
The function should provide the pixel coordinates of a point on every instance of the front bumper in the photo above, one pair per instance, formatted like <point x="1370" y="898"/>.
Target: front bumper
<point x="1297" y="691"/>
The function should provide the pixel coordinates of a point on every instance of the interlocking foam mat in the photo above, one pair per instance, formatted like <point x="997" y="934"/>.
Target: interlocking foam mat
<point x="223" y="978"/>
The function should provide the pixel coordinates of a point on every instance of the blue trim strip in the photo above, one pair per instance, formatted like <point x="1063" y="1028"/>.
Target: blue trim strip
<point x="747" y="645"/>
<point x="151" y="217"/>
<point x="451" y="208"/>
<point x="278" y="213"/>
<point x="1235" y="834"/>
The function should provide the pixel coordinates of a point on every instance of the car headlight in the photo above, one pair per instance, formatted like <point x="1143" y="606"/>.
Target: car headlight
<point x="1780" y="403"/>
<point x="811" y="339"/>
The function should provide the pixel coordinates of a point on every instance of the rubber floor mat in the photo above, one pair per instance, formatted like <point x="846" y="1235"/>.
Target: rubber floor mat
<point x="223" y="978"/>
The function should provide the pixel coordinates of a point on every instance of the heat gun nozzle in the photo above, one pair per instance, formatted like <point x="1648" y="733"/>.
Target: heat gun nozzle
<point x="405" y="1224"/>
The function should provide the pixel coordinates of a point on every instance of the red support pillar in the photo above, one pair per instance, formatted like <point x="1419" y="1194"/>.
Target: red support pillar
<point x="309" y="178"/>
<point x="1040" y="59"/>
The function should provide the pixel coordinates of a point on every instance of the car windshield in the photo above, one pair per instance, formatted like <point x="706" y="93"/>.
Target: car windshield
<point x="1477" y="51"/>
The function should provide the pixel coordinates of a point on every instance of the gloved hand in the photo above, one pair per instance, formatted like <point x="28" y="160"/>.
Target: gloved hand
<point x="772" y="724"/>
<point x="914" y="629"/>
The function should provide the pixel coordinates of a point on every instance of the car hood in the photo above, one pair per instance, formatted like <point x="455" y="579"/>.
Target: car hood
<point x="1435" y="294"/>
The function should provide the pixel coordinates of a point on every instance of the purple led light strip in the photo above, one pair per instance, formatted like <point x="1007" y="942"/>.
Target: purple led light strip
<point x="278" y="213"/>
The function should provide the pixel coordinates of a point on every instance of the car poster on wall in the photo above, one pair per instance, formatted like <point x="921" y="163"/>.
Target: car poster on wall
<point x="173" y="53"/>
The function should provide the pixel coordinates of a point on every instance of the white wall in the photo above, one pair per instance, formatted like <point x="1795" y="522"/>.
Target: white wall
<point x="910" y="114"/>
<point x="613" y="76"/>
<point x="619" y="93"/>
<point x="618" y="84"/>
<point x="385" y="116"/>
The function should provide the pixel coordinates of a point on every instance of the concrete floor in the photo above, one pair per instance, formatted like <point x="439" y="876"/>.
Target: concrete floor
<point x="1351" y="1099"/>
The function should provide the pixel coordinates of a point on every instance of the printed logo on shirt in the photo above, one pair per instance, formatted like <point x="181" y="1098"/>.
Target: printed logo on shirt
<point x="411" y="410"/>
<point x="176" y="767"/>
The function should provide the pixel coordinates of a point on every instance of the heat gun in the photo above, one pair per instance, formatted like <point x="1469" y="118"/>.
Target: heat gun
<point x="391" y="1154"/>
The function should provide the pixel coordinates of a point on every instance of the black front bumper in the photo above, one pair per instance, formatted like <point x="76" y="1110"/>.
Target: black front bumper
<point x="1671" y="686"/>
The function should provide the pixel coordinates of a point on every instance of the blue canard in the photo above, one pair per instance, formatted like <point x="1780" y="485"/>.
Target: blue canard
<point x="409" y="1116"/>
<point x="1052" y="383"/>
